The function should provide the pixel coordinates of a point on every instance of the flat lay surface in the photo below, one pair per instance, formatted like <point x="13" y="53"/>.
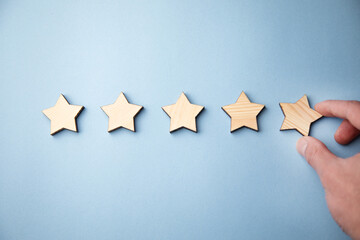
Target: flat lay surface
<point x="152" y="184"/>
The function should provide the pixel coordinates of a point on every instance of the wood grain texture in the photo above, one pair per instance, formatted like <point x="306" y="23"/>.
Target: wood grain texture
<point x="183" y="114"/>
<point x="299" y="116"/>
<point x="243" y="113"/>
<point x="121" y="114"/>
<point x="63" y="115"/>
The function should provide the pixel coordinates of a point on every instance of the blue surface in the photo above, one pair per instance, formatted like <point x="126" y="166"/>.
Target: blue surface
<point x="152" y="184"/>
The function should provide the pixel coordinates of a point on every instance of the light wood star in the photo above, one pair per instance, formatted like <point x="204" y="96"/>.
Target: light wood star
<point x="183" y="114"/>
<point x="63" y="115"/>
<point x="121" y="113"/>
<point x="243" y="113"/>
<point x="299" y="116"/>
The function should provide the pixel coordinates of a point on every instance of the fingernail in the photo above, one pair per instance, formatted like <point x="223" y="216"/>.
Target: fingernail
<point x="301" y="146"/>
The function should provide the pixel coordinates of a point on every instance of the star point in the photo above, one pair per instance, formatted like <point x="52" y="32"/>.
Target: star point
<point x="299" y="116"/>
<point x="62" y="115"/>
<point x="243" y="113"/>
<point x="183" y="114"/>
<point x="121" y="113"/>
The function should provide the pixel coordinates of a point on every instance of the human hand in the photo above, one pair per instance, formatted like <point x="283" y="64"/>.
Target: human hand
<point x="339" y="177"/>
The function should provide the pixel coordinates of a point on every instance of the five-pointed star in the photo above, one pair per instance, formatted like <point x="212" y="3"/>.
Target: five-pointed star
<point x="121" y="113"/>
<point x="183" y="114"/>
<point x="243" y="113"/>
<point x="63" y="115"/>
<point x="299" y="116"/>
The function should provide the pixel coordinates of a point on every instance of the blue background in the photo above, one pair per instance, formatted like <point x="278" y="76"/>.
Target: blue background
<point x="152" y="184"/>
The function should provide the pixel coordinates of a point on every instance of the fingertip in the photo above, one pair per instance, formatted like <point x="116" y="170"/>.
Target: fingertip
<point x="339" y="138"/>
<point x="301" y="145"/>
<point x="315" y="152"/>
<point x="346" y="133"/>
<point x="320" y="106"/>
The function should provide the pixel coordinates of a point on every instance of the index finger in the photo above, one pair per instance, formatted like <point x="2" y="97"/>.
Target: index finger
<point x="349" y="110"/>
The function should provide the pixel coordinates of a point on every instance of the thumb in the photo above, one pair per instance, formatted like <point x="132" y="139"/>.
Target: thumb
<point x="316" y="153"/>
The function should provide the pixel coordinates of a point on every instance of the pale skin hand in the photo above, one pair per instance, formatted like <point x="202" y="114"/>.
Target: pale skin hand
<point x="339" y="177"/>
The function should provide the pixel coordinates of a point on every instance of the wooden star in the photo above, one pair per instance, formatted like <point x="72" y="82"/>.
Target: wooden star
<point x="243" y="113"/>
<point x="121" y="113"/>
<point x="183" y="114"/>
<point x="63" y="115"/>
<point x="299" y="116"/>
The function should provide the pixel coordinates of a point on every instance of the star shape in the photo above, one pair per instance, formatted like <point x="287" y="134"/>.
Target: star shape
<point x="121" y="113"/>
<point x="243" y="113"/>
<point x="299" y="116"/>
<point x="63" y="115"/>
<point x="183" y="114"/>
